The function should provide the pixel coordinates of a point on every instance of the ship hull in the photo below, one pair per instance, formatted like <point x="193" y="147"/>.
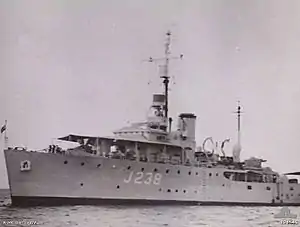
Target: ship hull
<point x="22" y="201"/>
<point x="56" y="179"/>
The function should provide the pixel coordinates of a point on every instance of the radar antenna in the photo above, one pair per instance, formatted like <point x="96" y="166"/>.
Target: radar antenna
<point x="165" y="70"/>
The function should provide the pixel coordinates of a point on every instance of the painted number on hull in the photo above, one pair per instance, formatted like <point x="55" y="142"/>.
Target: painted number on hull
<point x="144" y="178"/>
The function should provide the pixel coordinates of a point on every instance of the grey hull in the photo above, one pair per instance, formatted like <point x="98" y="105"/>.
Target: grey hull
<point x="56" y="179"/>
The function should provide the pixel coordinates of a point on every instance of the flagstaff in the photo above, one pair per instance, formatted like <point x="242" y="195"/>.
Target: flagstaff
<point x="3" y="130"/>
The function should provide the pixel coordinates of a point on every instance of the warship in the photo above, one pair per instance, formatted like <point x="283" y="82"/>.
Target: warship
<point x="147" y="162"/>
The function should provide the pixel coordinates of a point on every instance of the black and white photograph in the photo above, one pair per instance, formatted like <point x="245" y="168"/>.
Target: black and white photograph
<point x="161" y="113"/>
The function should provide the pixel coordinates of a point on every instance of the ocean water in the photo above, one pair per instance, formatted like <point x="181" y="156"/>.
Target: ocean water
<point x="156" y="216"/>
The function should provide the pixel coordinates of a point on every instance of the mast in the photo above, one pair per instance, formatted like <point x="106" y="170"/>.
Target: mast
<point x="165" y="76"/>
<point x="165" y="71"/>
<point x="237" y="148"/>
<point x="238" y="112"/>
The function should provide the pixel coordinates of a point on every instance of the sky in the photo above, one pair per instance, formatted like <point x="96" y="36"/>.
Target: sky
<point x="79" y="67"/>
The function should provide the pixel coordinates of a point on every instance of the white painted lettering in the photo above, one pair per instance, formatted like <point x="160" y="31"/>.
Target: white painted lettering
<point x="157" y="179"/>
<point x="138" y="179"/>
<point x="144" y="178"/>
<point x="149" y="178"/>
<point x="129" y="178"/>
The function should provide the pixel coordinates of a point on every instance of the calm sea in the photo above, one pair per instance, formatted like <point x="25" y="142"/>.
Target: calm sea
<point x="122" y="216"/>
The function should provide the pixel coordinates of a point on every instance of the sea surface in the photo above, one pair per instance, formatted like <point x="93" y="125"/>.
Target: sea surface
<point x="154" y="216"/>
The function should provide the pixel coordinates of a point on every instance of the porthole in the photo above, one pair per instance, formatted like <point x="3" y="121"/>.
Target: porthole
<point x="196" y="173"/>
<point x="217" y="174"/>
<point x="169" y="190"/>
<point x="249" y="187"/>
<point x="178" y="171"/>
<point x="190" y="172"/>
<point x="176" y="190"/>
<point x="291" y="188"/>
<point x="82" y="163"/>
<point x="209" y="174"/>
<point x="118" y="186"/>
<point x="65" y="162"/>
<point x="167" y="171"/>
<point x="184" y="191"/>
<point x="268" y="188"/>
<point x="99" y="165"/>
<point x="223" y="185"/>
<point x="292" y="194"/>
<point x="128" y="167"/>
<point x="142" y="169"/>
<point x="81" y="184"/>
<point x="159" y="189"/>
<point x="155" y="170"/>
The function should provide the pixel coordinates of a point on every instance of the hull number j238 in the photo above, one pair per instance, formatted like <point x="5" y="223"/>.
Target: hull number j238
<point x="143" y="178"/>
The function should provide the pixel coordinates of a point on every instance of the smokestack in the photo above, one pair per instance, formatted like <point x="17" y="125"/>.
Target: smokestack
<point x="187" y="125"/>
